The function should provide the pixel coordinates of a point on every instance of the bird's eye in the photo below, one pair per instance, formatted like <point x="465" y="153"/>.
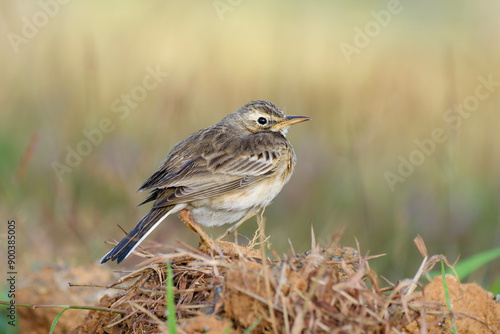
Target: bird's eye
<point x="262" y="120"/>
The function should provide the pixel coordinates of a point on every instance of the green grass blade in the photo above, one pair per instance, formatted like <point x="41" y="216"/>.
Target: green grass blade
<point x="447" y="296"/>
<point x="467" y="266"/>
<point x="495" y="286"/>
<point x="56" y="319"/>
<point x="228" y="329"/>
<point x="252" y="326"/>
<point x="171" y="316"/>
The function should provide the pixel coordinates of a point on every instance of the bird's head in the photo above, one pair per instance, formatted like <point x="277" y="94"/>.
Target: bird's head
<point x="259" y="116"/>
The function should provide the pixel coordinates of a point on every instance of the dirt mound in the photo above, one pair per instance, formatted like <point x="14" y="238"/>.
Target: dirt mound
<point x="49" y="286"/>
<point x="325" y="290"/>
<point x="474" y="309"/>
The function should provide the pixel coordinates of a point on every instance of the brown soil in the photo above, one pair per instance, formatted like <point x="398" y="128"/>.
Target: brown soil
<point x="50" y="286"/>
<point x="326" y="290"/>
<point x="474" y="309"/>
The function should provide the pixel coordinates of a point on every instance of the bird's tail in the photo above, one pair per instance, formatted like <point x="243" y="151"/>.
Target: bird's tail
<point x="147" y="224"/>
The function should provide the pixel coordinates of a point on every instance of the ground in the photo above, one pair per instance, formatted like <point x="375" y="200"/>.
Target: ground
<point x="228" y="290"/>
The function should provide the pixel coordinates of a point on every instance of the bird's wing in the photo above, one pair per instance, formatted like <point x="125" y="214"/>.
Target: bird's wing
<point x="227" y="166"/>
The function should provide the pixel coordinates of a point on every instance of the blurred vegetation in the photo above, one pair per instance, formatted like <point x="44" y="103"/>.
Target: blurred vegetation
<point x="365" y="114"/>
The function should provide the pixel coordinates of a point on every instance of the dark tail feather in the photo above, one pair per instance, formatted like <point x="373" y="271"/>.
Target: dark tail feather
<point x="137" y="235"/>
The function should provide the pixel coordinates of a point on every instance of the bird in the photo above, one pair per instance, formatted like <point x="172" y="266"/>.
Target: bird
<point x="222" y="174"/>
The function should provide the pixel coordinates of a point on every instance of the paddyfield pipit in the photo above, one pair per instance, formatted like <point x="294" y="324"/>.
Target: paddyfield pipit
<point x="219" y="175"/>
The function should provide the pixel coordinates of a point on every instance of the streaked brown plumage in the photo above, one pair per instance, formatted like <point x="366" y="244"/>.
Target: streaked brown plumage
<point x="221" y="174"/>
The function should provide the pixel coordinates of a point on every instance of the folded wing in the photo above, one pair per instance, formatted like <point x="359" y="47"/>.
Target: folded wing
<point x="228" y="166"/>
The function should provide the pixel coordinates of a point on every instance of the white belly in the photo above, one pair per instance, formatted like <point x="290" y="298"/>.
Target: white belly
<point x="233" y="206"/>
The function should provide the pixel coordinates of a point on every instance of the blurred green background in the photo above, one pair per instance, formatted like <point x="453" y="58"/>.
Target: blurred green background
<point x="374" y="76"/>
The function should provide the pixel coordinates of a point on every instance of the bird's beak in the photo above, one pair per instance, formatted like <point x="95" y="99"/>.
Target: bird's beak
<point x="290" y="120"/>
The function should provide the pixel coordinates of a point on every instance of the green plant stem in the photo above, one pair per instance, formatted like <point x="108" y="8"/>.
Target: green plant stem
<point x="171" y="316"/>
<point x="447" y="297"/>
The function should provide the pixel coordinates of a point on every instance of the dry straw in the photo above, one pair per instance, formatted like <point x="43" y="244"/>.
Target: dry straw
<point x="325" y="290"/>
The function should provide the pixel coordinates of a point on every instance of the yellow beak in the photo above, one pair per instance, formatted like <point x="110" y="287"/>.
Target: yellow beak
<point x="290" y="120"/>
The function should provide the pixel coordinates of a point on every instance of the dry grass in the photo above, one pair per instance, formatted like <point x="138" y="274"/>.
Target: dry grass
<point x="325" y="290"/>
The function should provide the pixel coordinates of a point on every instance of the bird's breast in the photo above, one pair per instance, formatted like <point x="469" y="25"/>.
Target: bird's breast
<point x="234" y="205"/>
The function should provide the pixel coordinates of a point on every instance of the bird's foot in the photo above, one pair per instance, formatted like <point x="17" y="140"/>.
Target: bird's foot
<point x="209" y="245"/>
<point x="235" y="226"/>
<point x="191" y="224"/>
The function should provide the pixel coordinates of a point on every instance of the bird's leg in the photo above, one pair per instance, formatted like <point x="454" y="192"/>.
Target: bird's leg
<point x="191" y="224"/>
<point x="238" y="224"/>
